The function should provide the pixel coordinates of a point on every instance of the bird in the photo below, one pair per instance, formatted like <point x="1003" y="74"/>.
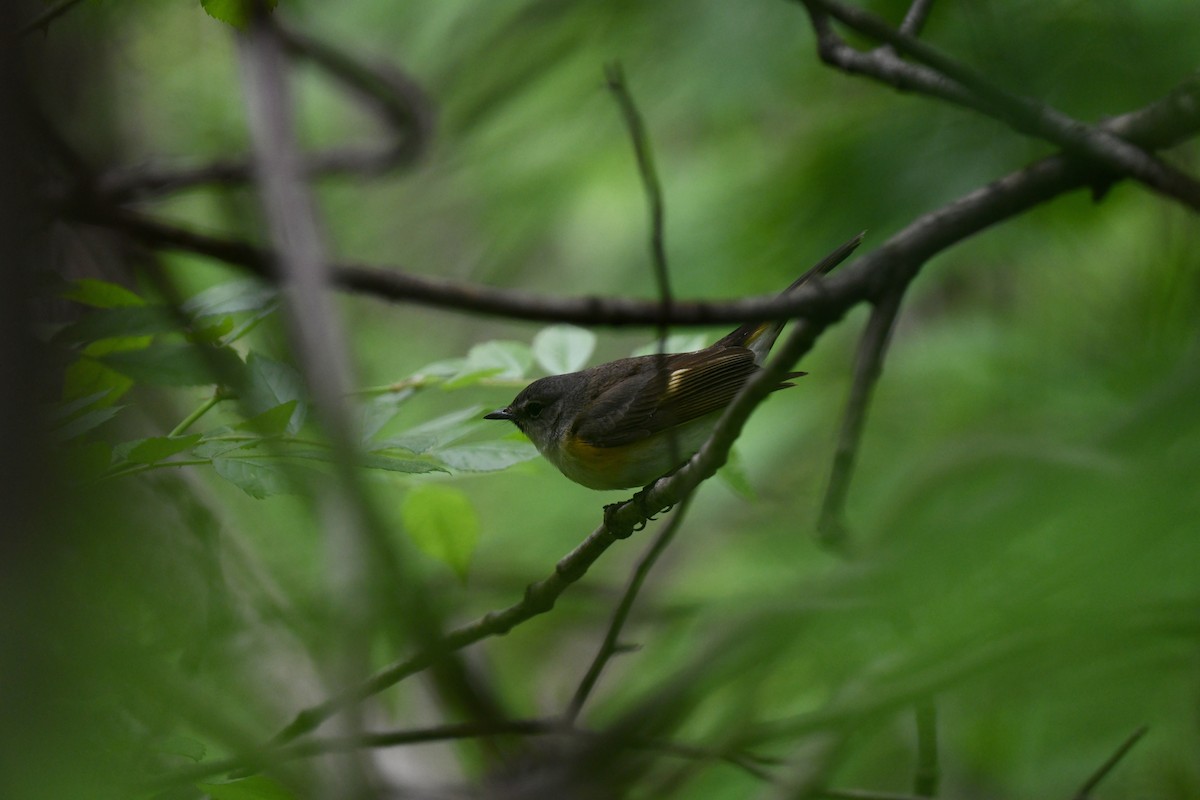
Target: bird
<point x="625" y="423"/>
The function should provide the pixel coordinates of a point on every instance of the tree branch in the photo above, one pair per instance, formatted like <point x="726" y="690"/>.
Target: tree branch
<point x="42" y="21"/>
<point x="1104" y="769"/>
<point x="868" y="366"/>
<point x="609" y="647"/>
<point x="1026" y="115"/>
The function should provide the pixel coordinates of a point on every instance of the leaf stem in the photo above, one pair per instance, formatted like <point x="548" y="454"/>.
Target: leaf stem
<point x="204" y="408"/>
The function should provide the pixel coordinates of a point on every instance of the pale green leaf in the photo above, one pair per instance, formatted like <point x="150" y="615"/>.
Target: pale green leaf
<point x="230" y="298"/>
<point x="676" y="343"/>
<point x="147" y="451"/>
<point x="256" y="478"/>
<point x="486" y="456"/>
<point x="256" y="787"/>
<point x="563" y="348"/>
<point x="442" y="522"/>
<point x="101" y="294"/>
<point x="272" y="383"/>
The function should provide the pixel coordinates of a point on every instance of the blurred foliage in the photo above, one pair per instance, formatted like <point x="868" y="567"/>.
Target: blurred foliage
<point x="1024" y="513"/>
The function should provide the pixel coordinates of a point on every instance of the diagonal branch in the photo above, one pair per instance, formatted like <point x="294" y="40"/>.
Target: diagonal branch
<point x="1023" y="114"/>
<point x="1102" y="771"/>
<point x="868" y="365"/>
<point x="610" y="646"/>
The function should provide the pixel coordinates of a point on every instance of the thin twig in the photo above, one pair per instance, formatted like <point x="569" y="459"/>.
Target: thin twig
<point x="914" y="19"/>
<point x="928" y="774"/>
<point x="609" y="647"/>
<point x="868" y="365"/>
<point x="1026" y="115"/>
<point x="42" y="21"/>
<point x="1085" y="791"/>
<point x="645" y="160"/>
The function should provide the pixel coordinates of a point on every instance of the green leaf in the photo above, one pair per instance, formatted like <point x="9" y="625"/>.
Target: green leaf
<point x="256" y="787"/>
<point x="174" y="364"/>
<point x="486" y="456"/>
<point x="212" y="446"/>
<point x="272" y="383"/>
<point x="734" y="475"/>
<point x="256" y="478"/>
<point x="230" y="298"/>
<point x="563" y="348"/>
<point x="147" y="451"/>
<point x="61" y="412"/>
<point x="87" y="377"/>
<point x="412" y="466"/>
<point x="272" y="422"/>
<point x="441" y="522"/>
<point x="379" y="411"/>
<point x="101" y="294"/>
<point x="185" y="746"/>
<point x="441" y="369"/>
<point x="237" y="13"/>
<point x="440" y="431"/>
<point x="506" y="360"/>
<point x="676" y="343"/>
<point x="121" y="322"/>
<point x="85" y="422"/>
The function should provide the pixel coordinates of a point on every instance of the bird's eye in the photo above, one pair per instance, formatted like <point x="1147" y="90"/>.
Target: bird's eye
<point x="532" y="409"/>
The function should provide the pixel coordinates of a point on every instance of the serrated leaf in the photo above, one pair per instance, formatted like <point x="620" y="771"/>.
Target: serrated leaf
<point x="101" y="294"/>
<point x="213" y="447"/>
<point x="441" y="369"/>
<point x="237" y="13"/>
<point x="442" y="522"/>
<point x="256" y="478"/>
<point x="231" y="298"/>
<point x="148" y="451"/>
<point x="174" y="364"/>
<point x="256" y="787"/>
<point x="486" y="456"/>
<point x="676" y="343"/>
<point x="271" y="383"/>
<point x="563" y="348"/>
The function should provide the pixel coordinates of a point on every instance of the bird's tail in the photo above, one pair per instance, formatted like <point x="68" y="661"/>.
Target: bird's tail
<point x="761" y="336"/>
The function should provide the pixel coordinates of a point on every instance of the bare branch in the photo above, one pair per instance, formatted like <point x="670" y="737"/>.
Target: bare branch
<point x="1102" y="771"/>
<point x="914" y="19"/>
<point x="610" y="646"/>
<point x="1026" y="115"/>
<point x="868" y="365"/>
<point x="645" y="160"/>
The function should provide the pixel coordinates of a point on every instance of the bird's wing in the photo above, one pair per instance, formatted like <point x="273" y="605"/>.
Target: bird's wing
<point x="670" y="391"/>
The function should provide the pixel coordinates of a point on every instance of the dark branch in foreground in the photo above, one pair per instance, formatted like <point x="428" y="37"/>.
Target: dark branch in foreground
<point x="42" y="21"/>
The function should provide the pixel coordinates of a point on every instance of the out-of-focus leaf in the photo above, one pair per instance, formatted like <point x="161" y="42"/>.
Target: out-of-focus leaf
<point x="486" y="456"/>
<point x="118" y="322"/>
<point x="185" y="746"/>
<point x="147" y="451"/>
<point x="734" y="475"/>
<point x="441" y="369"/>
<point x="442" y="522"/>
<point x="230" y="298"/>
<point x="257" y="478"/>
<point x="676" y="343"/>
<point x="498" y="359"/>
<point x="86" y="377"/>
<point x="174" y="364"/>
<point x="61" y="412"/>
<point x="563" y="348"/>
<point x="272" y="383"/>
<point x="256" y="787"/>
<point x="233" y="12"/>
<point x="85" y="422"/>
<point x="101" y="294"/>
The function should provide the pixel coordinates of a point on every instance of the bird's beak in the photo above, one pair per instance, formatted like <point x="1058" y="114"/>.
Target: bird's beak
<point x="502" y="413"/>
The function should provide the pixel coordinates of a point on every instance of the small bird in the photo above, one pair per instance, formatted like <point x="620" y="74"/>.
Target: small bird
<point x="627" y="423"/>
